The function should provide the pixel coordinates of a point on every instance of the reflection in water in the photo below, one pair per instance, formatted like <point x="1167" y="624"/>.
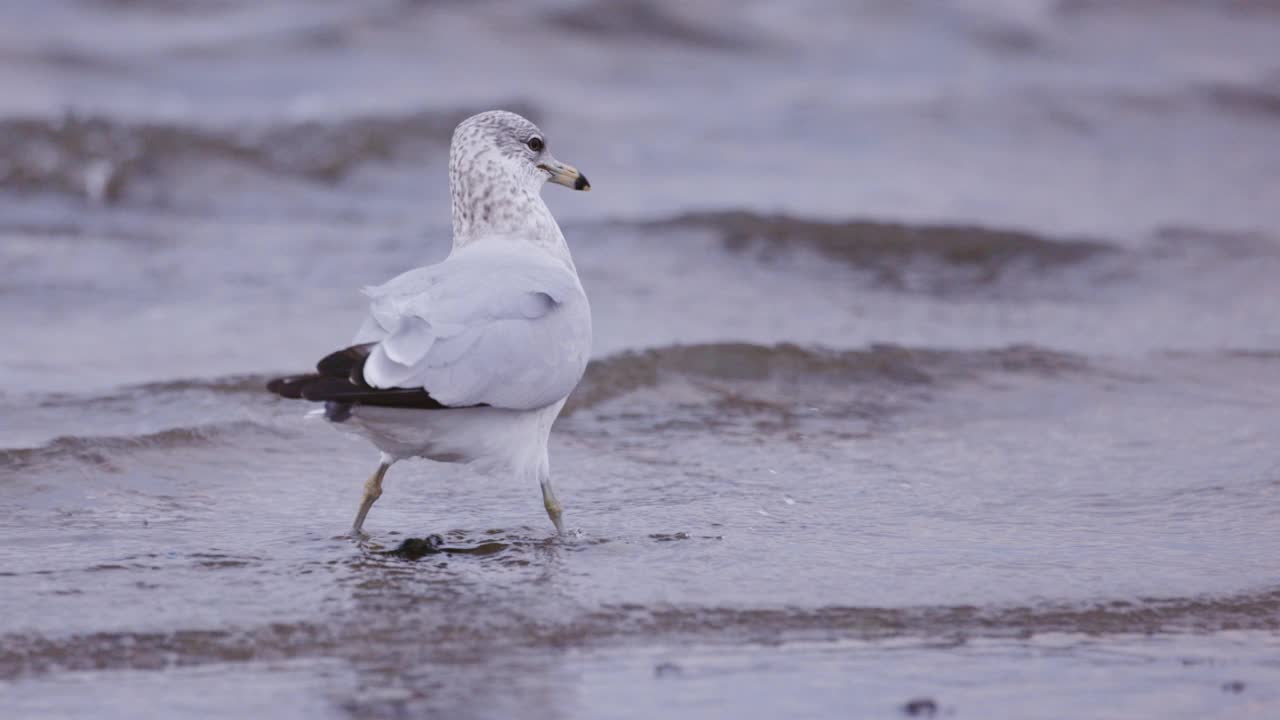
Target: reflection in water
<point x="442" y="633"/>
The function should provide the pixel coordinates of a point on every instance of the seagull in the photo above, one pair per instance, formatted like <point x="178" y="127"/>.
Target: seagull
<point x="470" y="360"/>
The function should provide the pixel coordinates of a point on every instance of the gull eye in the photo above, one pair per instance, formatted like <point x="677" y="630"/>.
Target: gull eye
<point x="535" y="144"/>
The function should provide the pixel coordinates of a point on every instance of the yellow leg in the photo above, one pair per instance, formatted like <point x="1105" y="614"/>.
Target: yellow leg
<point x="552" y="505"/>
<point x="372" y="491"/>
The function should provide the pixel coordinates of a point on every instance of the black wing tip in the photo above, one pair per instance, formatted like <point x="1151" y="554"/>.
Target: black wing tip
<point x="322" y="388"/>
<point x="347" y="363"/>
<point x="291" y="386"/>
<point x="345" y="366"/>
<point x="340" y="385"/>
<point x="301" y="387"/>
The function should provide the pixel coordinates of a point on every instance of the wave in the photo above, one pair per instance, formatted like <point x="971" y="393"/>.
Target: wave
<point x="819" y="368"/>
<point x="1147" y="8"/>
<point x="730" y="379"/>
<point x="614" y="376"/>
<point x="895" y="252"/>
<point x="709" y="385"/>
<point x="645" y="21"/>
<point x="102" y="159"/>
<point x="1259" y="101"/>
<point x="25" y="654"/>
<point x="1251" y="611"/>
<point x="100" y="450"/>
<point x="229" y="385"/>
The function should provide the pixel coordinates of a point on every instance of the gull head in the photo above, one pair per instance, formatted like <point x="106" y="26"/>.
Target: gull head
<point x="500" y="147"/>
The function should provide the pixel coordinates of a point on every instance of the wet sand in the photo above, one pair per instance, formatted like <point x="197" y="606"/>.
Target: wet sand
<point x="973" y="415"/>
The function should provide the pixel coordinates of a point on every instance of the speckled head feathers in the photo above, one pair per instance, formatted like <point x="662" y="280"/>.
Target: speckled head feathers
<point x="498" y="162"/>
<point x="498" y="130"/>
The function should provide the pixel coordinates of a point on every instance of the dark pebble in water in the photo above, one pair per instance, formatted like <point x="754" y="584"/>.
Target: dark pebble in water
<point x="1235" y="686"/>
<point x="488" y="548"/>
<point x="415" y="548"/>
<point x="920" y="707"/>
<point x="667" y="669"/>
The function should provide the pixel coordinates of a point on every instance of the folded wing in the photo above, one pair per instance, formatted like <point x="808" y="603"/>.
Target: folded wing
<point x="497" y="323"/>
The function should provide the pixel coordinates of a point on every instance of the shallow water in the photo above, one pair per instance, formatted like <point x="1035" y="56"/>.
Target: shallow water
<point x="942" y="365"/>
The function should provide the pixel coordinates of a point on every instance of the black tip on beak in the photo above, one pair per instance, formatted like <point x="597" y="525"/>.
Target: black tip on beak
<point x="581" y="183"/>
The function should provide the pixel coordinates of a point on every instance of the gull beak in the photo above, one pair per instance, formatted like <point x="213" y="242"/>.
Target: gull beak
<point x="565" y="174"/>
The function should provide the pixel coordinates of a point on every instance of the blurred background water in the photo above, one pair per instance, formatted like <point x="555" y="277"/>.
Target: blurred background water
<point x="937" y="358"/>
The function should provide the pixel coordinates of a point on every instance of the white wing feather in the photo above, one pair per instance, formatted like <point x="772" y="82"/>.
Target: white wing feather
<point x="498" y="322"/>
